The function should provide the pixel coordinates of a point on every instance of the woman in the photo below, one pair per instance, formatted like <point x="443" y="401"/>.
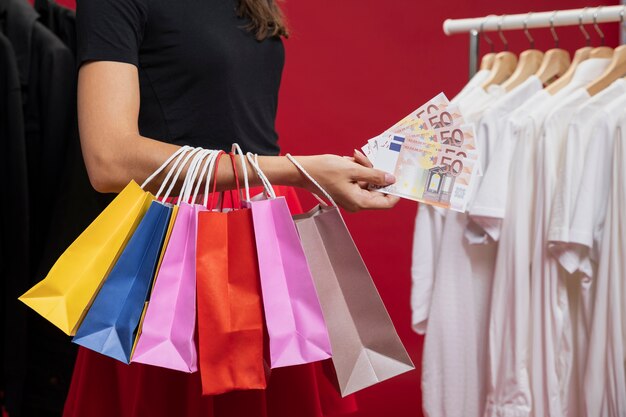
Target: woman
<point x="158" y="74"/>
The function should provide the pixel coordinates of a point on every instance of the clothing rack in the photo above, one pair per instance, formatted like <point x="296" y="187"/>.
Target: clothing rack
<point x="573" y="17"/>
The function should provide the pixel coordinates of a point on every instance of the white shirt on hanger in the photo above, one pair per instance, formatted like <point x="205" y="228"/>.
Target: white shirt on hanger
<point x="551" y="327"/>
<point x="498" y="154"/>
<point x="580" y="141"/>
<point x="560" y="241"/>
<point x="426" y="243"/>
<point x="428" y="229"/>
<point x="452" y="358"/>
<point x="455" y="354"/>
<point x="475" y="82"/>
<point x="509" y="390"/>
<point x="603" y="388"/>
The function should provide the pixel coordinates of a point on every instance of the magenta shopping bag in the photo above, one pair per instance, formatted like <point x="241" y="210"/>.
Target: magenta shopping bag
<point x="293" y="315"/>
<point x="168" y="334"/>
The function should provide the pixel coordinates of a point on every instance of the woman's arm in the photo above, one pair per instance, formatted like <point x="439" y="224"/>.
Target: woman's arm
<point x="115" y="152"/>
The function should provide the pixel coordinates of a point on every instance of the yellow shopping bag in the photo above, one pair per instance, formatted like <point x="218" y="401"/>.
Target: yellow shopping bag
<point x="66" y="293"/>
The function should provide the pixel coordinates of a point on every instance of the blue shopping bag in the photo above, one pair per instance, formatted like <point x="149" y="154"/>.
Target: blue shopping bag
<point x="111" y="323"/>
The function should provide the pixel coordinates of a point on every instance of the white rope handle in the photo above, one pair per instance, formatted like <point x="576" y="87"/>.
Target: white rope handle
<point x="172" y="170"/>
<point x="269" y="190"/>
<point x="319" y="187"/>
<point x="160" y="169"/>
<point x="237" y="150"/>
<point x="178" y="171"/>
<point x="209" y="161"/>
<point x="209" y="175"/>
<point x="192" y="174"/>
<point x="190" y="170"/>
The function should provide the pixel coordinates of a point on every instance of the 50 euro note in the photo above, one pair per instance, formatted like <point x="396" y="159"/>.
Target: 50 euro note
<point x="436" y="104"/>
<point x="436" y="112"/>
<point x="435" y="166"/>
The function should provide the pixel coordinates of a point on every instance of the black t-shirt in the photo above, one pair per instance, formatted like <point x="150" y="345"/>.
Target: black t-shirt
<point x="204" y="79"/>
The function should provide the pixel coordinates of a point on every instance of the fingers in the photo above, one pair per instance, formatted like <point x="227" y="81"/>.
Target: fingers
<point x="360" y="158"/>
<point x="378" y="201"/>
<point x="374" y="176"/>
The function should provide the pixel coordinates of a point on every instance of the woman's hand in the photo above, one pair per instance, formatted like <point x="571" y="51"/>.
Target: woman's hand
<point x="346" y="180"/>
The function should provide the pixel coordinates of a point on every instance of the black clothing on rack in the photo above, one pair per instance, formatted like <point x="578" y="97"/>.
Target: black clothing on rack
<point x="60" y="20"/>
<point x="14" y="261"/>
<point x="37" y="360"/>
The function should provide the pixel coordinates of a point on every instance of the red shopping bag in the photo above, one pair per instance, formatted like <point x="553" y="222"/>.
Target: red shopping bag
<point x="230" y="313"/>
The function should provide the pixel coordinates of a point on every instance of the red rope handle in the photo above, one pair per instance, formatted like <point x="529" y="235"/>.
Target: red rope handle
<point x="232" y="197"/>
<point x="217" y="165"/>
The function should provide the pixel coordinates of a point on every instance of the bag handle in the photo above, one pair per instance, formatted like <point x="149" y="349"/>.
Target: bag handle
<point x="212" y="166"/>
<point x="310" y="178"/>
<point x="237" y="150"/>
<point x="232" y="198"/>
<point x="254" y="163"/>
<point x="179" y="159"/>
<point x="217" y="165"/>
<point x="192" y="175"/>
<point x="178" y="171"/>
<point x="203" y="175"/>
<point x="179" y="153"/>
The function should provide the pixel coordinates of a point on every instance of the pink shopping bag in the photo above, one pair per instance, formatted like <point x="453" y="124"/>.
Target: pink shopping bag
<point x="293" y="315"/>
<point x="168" y="331"/>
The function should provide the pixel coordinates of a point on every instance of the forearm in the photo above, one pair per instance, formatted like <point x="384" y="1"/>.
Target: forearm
<point x="139" y="156"/>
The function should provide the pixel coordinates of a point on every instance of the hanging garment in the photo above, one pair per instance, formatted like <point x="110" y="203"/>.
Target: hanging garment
<point x="475" y="82"/>
<point x="426" y="245"/>
<point x="562" y="244"/>
<point x="451" y="369"/>
<point x="547" y="278"/>
<point x="14" y="261"/>
<point x="494" y="122"/>
<point x="603" y="387"/>
<point x="46" y="75"/>
<point x="60" y="20"/>
<point x="427" y="238"/>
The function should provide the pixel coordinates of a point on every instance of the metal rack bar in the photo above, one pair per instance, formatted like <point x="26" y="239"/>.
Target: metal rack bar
<point x="535" y="20"/>
<point x="570" y="17"/>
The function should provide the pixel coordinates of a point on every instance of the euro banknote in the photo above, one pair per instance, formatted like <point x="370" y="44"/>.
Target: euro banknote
<point x="432" y="153"/>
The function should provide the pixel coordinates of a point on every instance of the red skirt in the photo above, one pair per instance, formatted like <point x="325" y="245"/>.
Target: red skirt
<point x="104" y="387"/>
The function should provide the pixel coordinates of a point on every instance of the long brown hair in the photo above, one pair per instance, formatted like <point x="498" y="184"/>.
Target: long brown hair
<point x="266" y="18"/>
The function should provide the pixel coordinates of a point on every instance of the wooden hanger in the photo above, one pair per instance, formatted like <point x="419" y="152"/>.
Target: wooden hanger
<point x="615" y="70"/>
<point x="529" y="62"/>
<point x="601" y="51"/>
<point x="555" y="63"/>
<point x="487" y="62"/>
<point x="504" y="64"/>
<point x="503" y="67"/>
<point x="580" y="55"/>
<point x="488" y="59"/>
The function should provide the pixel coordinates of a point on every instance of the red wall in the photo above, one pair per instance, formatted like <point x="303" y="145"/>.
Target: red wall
<point x="355" y="67"/>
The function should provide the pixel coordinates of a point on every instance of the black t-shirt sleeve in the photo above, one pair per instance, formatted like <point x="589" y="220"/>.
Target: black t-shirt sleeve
<point x="110" y="30"/>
